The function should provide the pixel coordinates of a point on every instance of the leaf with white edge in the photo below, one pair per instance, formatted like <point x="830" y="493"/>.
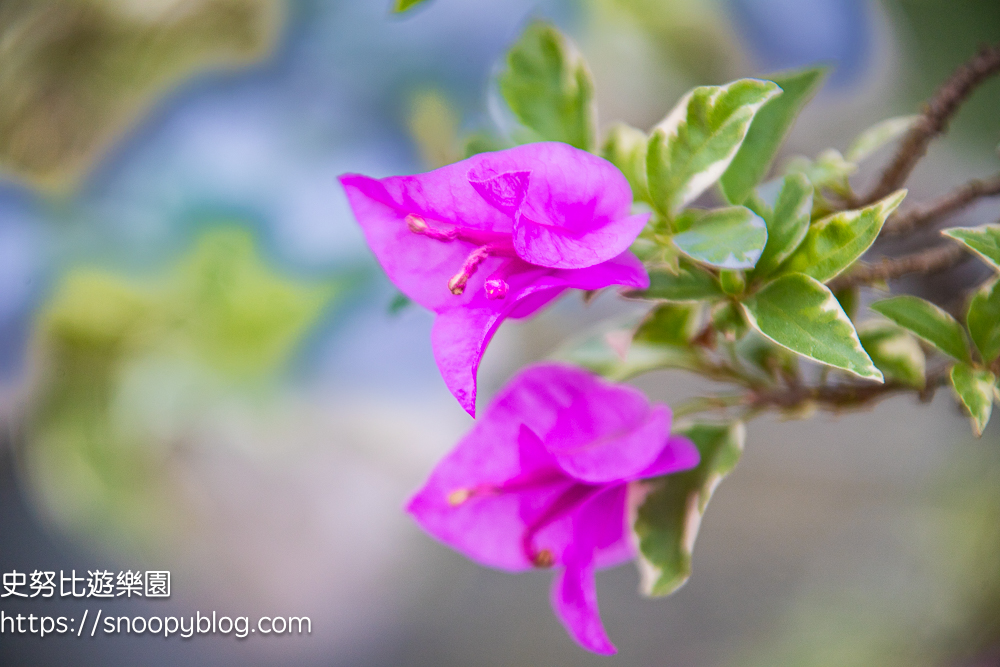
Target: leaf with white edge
<point x="625" y="147"/>
<point x="835" y="242"/>
<point x="727" y="238"/>
<point x="983" y="240"/>
<point x="983" y="319"/>
<point x="666" y="512"/>
<point x="928" y="322"/>
<point x="975" y="389"/>
<point x="548" y="86"/>
<point x="800" y="313"/>
<point x="691" y="148"/>
<point x="610" y="351"/>
<point x="895" y="352"/>
<point x="878" y="135"/>
<point x="768" y="130"/>
<point x="689" y="283"/>
<point x="787" y="223"/>
<point x="400" y="6"/>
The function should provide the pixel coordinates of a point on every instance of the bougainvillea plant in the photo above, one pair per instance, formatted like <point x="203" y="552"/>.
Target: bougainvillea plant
<point x="750" y="277"/>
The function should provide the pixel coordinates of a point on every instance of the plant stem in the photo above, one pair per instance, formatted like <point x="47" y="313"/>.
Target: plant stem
<point x="931" y="260"/>
<point x="957" y="199"/>
<point x="843" y="396"/>
<point x="936" y="114"/>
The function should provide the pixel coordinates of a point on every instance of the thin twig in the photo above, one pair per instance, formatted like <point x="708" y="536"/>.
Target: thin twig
<point x="934" y="121"/>
<point x="841" y="396"/>
<point x="955" y="200"/>
<point x="932" y="260"/>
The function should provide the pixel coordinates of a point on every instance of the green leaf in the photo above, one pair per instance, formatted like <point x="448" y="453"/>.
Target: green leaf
<point x="733" y="283"/>
<point x="691" y="148"/>
<point x="787" y="223"/>
<point x="768" y="131"/>
<point x="667" y="520"/>
<point x="400" y="6"/>
<point x="221" y="305"/>
<point x="895" y="352"/>
<point x="975" y="390"/>
<point x="879" y="135"/>
<point x="481" y="142"/>
<point x="835" y="242"/>
<point x="928" y="322"/>
<point x="242" y="316"/>
<point x="625" y="147"/>
<point x="549" y="88"/>
<point x="828" y="170"/>
<point x="770" y="362"/>
<point x="728" y="238"/>
<point x="433" y="124"/>
<point x="983" y="319"/>
<point x="689" y="283"/>
<point x="728" y="320"/>
<point x="610" y="351"/>
<point x="670" y="324"/>
<point x="399" y="303"/>
<point x="983" y="240"/>
<point x="801" y="314"/>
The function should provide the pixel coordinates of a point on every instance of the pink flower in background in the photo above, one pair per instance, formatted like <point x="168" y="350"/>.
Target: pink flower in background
<point x="495" y="236"/>
<point x="542" y="479"/>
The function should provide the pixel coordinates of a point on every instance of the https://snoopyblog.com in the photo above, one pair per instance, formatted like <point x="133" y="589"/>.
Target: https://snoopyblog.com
<point x="108" y="585"/>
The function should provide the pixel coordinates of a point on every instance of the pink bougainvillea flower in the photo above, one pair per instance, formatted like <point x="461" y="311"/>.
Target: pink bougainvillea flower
<point x="495" y="236"/>
<point x="542" y="479"/>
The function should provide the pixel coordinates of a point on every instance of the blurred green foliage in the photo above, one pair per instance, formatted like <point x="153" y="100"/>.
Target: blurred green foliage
<point x="125" y="372"/>
<point x="692" y="35"/>
<point x="76" y="73"/>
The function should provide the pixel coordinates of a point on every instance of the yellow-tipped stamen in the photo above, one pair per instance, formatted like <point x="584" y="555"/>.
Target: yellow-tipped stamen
<point x="416" y="224"/>
<point x="459" y="496"/>
<point x="544" y="558"/>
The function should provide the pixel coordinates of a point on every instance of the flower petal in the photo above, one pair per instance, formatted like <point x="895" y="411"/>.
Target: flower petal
<point x="464" y="504"/>
<point x="446" y="195"/>
<point x="596" y="442"/>
<point x="678" y="454"/>
<point x="460" y="335"/>
<point x="597" y="431"/>
<point x="605" y="518"/>
<point x="503" y="191"/>
<point x="575" y="212"/>
<point x="418" y="265"/>
<point x="599" y="526"/>
<point x="542" y="242"/>
<point x="624" y="269"/>
<point x="574" y="600"/>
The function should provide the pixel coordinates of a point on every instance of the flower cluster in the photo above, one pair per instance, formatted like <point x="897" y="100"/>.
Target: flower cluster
<point x="495" y="236"/>
<point x="542" y="480"/>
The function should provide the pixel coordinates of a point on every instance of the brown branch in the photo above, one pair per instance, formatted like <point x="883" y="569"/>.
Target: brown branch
<point x="842" y="396"/>
<point x="936" y="114"/>
<point x="955" y="200"/>
<point x="932" y="260"/>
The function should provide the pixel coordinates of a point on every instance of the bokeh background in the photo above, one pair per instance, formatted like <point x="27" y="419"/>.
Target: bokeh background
<point x="203" y="370"/>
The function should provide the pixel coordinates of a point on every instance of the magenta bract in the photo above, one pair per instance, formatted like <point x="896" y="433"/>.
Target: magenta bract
<point x="542" y="480"/>
<point x="495" y="236"/>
